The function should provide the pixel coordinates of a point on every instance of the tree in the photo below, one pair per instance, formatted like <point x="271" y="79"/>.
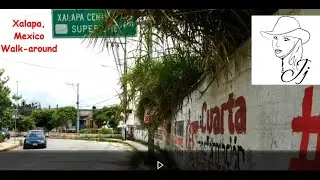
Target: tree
<point x="25" y="123"/>
<point x="99" y="117"/>
<point x="16" y="97"/>
<point x="43" y="118"/>
<point x="195" y="44"/>
<point x="7" y="120"/>
<point x="26" y="109"/>
<point x="107" y="115"/>
<point x="64" y="115"/>
<point x="5" y="101"/>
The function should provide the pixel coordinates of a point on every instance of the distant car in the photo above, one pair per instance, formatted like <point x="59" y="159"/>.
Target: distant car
<point x="5" y="132"/>
<point x="35" y="139"/>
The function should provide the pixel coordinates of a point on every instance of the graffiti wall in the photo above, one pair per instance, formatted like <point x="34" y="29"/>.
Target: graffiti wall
<point x="237" y="126"/>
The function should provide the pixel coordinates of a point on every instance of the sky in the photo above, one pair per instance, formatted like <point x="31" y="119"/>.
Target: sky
<point x="42" y="77"/>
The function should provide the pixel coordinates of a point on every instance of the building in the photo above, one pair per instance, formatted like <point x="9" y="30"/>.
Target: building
<point x="88" y="121"/>
<point x="132" y="122"/>
<point x="85" y="122"/>
<point x="84" y="115"/>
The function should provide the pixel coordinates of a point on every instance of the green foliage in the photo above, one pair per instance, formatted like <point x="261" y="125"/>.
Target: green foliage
<point x="25" y="109"/>
<point x="161" y="84"/>
<point x="105" y="131"/>
<point x="93" y="131"/>
<point x="43" y="118"/>
<point x="6" y="119"/>
<point x="196" y="43"/>
<point x="84" y="131"/>
<point x="88" y="131"/>
<point x="5" y="100"/>
<point x="107" y="115"/>
<point x="16" y="97"/>
<point x="62" y="116"/>
<point x="117" y="131"/>
<point x="25" y="123"/>
<point x="1" y="137"/>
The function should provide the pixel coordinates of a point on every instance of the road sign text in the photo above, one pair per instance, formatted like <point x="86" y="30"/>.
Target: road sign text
<point x="79" y="23"/>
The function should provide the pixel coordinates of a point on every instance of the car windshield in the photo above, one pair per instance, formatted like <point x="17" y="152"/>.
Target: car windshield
<point x="35" y="134"/>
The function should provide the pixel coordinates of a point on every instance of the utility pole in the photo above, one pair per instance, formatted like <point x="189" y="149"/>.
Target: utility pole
<point x="125" y="90"/>
<point x="124" y="84"/>
<point x="15" y="121"/>
<point x="78" y="111"/>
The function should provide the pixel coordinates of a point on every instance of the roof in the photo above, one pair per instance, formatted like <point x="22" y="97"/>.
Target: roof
<point x="36" y="130"/>
<point x="85" y="112"/>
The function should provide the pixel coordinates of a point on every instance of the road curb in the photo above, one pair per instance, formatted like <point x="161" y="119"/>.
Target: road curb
<point x="10" y="148"/>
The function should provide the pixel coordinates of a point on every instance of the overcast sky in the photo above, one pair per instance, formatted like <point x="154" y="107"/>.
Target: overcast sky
<point x="74" y="63"/>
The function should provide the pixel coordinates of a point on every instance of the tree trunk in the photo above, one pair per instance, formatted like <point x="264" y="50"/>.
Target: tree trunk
<point x="150" y="143"/>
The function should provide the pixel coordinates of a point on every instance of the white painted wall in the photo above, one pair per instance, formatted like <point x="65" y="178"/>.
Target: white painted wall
<point x="142" y="136"/>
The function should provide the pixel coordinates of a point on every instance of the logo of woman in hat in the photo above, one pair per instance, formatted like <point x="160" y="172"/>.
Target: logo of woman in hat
<point x="287" y="41"/>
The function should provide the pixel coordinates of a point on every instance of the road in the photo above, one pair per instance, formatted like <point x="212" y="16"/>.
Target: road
<point x="63" y="154"/>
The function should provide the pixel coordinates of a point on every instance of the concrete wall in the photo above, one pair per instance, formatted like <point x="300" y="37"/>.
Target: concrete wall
<point x="235" y="125"/>
<point x="142" y="136"/>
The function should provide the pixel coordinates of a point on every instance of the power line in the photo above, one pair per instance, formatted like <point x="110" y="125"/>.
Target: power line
<point x="100" y="101"/>
<point x="30" y="64"/>
<point x="50" y="67"/>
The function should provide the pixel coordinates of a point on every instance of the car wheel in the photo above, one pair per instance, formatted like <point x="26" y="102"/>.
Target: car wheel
<point x="25" y="147"/>
<point x="45" y="146"/>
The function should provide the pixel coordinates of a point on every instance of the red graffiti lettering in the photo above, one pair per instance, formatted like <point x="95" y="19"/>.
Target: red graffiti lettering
<point x="192" y="129"/>
<point x="210" y="122"/>
<point x="306" y="124"/>
<point x="241" y="116"/>
<point x="217" y="124"/>
<point x="229" y="106"/>
<point x="179" y="141"/>
<point x="202" y="125"/>
<point x="215" y="119"/>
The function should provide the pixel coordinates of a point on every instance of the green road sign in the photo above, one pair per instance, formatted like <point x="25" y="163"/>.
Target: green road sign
<point x="77" y="23"/>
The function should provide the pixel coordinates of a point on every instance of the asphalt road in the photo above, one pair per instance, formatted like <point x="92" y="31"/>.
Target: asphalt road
<point x="63" y="154"/>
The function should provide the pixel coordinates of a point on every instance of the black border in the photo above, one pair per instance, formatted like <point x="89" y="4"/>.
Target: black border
<point x="130" y="4"/>
<point x="158" y="174"/>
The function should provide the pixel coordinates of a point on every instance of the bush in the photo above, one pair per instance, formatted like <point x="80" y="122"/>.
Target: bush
<point x="84" y="131"/>
<point x="1" y="137"/>
<point x="117" y="131"/>
<point x="88" y="131"/>
<point x="105" y="131"/>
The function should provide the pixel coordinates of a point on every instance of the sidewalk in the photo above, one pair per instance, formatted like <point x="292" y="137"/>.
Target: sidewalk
<point x="9" y="145"/>
<point x="140" y="147"/>
<point x="158" y="155"/>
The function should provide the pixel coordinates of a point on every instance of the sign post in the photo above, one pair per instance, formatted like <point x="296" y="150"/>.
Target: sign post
<point x="77" y="23"/>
